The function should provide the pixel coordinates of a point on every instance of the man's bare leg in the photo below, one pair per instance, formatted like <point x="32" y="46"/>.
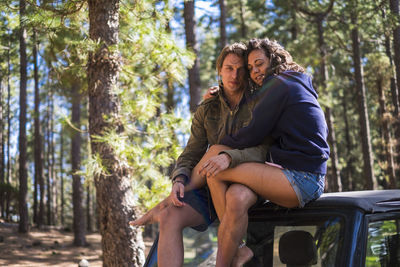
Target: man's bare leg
<point x="196" y="181"/>
<point x="172" y="222"/>
<point x="233" y="227"/>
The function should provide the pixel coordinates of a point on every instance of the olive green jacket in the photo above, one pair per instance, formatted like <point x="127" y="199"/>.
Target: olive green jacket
<point x="213" y="120"/>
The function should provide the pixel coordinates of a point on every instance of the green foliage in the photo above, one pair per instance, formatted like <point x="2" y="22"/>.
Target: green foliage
<point x="151" y="60"/>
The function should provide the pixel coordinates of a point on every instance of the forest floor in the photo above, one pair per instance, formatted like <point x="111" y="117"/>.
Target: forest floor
<point x="47" y="248"/>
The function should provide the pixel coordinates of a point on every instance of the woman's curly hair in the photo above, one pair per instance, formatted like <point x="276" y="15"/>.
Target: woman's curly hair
<point x="280" y="59"/>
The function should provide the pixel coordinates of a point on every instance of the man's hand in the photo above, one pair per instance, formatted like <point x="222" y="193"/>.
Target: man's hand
<point x="215" y="165"/>
<point x="177" y="191"/>
<point x="212" y="91"/>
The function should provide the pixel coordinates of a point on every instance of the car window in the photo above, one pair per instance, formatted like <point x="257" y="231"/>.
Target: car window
<point x="308" y="241"/>
<point x="383" y="246"/>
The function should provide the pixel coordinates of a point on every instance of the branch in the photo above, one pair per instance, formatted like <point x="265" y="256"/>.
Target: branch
<point x="58" y="11"/>
<point x="317" y="14"/>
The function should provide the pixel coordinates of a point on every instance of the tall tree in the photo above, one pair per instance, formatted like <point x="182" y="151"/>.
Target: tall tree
<point x="113" y="188"/>
<point x="191" y="44"/>
<point x="368" y="170"/>
<point x="77" y="194"/>
<point x="334" y="183"/>
<point x="222" y="23"/>
<point x="38" y="152"/>
<point x="61" y="161"/>
<point x="23" y="172"/>
<point x="394" y="8"/>
<point x="2" y="206"/>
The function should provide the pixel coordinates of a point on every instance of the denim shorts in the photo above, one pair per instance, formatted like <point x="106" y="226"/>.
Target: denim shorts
<point x="308" y="186"/>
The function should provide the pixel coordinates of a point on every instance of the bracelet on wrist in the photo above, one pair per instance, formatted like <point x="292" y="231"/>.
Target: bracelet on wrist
<point x="178" y="181"/>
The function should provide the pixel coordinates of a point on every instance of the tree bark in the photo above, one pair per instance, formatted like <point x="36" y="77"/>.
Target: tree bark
<point x="394" y="8"/>
<point x="191" y="44"/>
<point x="122" y="245"/>
<point x="386" y="137"/>
<point x="2" y="206"/>
<point x="347" y="178"/>
<point x="2" y="161"/>
<point x="38" y="152"/>
<point x="77" y="194"/>
<point x="89" y="213"/>
<point x="8" y="177"/>
<point x="62" y="197"/>
<point x="222" y="24"/>
<point x="336" y="182"/>
<point x="23" y="172"/>
<point x="368" y="170"/>
<point x="243" y="27"/>
<point x="49" y="200"/>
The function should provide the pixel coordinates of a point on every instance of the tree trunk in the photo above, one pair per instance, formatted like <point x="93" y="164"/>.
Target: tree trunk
<point x="386" y="138"/>
<point x="368" y="170"/>
<point x="394" y="7"/>
<point x="222" y="24"/>
<point x="2" y="206"/>
<point x="335" y="181"/>
<point x="49" y="200"/>
<point x="62" y="197"/>
<point x="77" y="194"/>
<point x="194" y="71"/>
<point x="347" y="178"/>
<point x="8" y="177"/>
<point x="54" y="206"/>
<point x="89" y="213"/>
<point x="243" y="28"/>
<point x="2" y="161"/>
<point x="122" y="245"/>
<point x="23" y="172"/>
<point x="38" y="153"/>
<point x="294" y="26"/>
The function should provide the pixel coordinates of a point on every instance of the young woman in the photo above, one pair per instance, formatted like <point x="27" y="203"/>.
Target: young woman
<point x="294" y="175"/>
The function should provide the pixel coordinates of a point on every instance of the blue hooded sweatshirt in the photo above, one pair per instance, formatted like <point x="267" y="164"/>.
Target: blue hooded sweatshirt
<point x="289" y="112"/>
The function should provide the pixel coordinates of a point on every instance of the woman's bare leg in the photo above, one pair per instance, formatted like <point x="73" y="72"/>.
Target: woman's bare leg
<point x="267" y="181"/>
<point x="196" y="181"/>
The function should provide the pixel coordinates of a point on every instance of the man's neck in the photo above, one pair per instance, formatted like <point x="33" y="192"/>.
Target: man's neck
<point x="234" y="98"/>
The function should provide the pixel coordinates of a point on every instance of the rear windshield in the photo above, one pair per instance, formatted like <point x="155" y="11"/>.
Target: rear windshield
<point x="312" y="241"/>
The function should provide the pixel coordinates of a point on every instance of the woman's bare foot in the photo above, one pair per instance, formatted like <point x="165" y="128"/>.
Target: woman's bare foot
<point x="152" y="215"/>
<point x="243" y="255"/>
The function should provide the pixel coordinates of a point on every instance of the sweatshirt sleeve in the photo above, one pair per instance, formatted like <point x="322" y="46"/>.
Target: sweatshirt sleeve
<point x="251" y="154"/>
<point x="274" y="95"/>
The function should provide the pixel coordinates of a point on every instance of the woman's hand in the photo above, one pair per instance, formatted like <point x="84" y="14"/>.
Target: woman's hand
<point x="215" y="165"/>
<point x="177" y="191"/>
<point x="212" y="91"/>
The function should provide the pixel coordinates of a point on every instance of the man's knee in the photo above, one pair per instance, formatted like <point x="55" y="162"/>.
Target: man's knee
<point x="239" y="199"/>
<point x="169" y="217"/>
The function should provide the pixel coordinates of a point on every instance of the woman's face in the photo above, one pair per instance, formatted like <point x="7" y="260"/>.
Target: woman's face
<point x="258" y="64"/>
<point x="232" y="73"/>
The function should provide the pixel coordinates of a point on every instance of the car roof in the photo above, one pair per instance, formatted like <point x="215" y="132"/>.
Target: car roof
<point x="369" y="201"/>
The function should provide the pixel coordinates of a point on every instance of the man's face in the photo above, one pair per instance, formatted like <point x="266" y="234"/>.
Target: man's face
<point x="232" y="73"/>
